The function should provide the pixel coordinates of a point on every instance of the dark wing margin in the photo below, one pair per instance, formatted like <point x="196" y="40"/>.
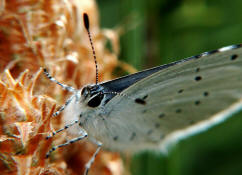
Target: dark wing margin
<point x="119" y="84"/>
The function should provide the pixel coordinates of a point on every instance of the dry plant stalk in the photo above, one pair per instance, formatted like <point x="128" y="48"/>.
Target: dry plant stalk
<point x="48" y="33"/>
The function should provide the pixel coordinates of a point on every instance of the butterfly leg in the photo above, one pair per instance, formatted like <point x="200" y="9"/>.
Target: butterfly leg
<point x="90" y="162"/>
<point x="66" y="143"/>
<point x="66" y="87"/>
<point x="64" y="128"/>
<point x="64" y="106"/>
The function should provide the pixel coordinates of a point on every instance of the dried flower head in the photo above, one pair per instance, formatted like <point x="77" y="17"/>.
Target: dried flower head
<point x="49" y="34"/>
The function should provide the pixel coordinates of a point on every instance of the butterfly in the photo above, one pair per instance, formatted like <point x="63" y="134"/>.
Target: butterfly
<point x="148" y="109"/>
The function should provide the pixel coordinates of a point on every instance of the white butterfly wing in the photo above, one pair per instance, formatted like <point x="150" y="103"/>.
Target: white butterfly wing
<point x="174" y="99"/>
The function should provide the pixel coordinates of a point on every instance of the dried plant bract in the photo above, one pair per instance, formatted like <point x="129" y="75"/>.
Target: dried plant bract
<point x="48" y="34"/>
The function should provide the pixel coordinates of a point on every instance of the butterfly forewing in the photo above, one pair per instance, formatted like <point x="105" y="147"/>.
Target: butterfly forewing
<point x="175" y="98"/>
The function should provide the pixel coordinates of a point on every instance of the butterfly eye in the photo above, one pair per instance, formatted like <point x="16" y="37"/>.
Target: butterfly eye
<point x="95" y="101"/>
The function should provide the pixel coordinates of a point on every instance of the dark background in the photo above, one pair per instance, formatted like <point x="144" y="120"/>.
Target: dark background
<point x="161" y="31"/>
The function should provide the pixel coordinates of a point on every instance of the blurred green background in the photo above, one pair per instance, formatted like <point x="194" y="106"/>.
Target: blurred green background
<point x="162" y="31"/>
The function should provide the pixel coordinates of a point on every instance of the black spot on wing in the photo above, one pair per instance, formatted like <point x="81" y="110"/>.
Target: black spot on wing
<point x="198" y="78"/>
<point x="180" y="91"/>
<point x="145" y="97"/>
<point x="140" y="101"/>
<point x="198" y="102"/>
<point x="205" y="94"/>
<point x="234" y="57"/>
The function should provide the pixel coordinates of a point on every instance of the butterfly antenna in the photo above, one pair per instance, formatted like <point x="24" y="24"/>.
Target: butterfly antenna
<point x="86" y="24"/>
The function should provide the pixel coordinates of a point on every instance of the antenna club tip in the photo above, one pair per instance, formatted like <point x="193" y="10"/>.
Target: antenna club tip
<point x="86" y="21"/>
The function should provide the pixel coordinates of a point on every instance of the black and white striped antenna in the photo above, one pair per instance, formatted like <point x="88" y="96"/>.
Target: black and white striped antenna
<point x="86" y="24"/>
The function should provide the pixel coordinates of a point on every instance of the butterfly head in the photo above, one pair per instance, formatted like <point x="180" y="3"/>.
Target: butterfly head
<point x="92" y="95"/>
